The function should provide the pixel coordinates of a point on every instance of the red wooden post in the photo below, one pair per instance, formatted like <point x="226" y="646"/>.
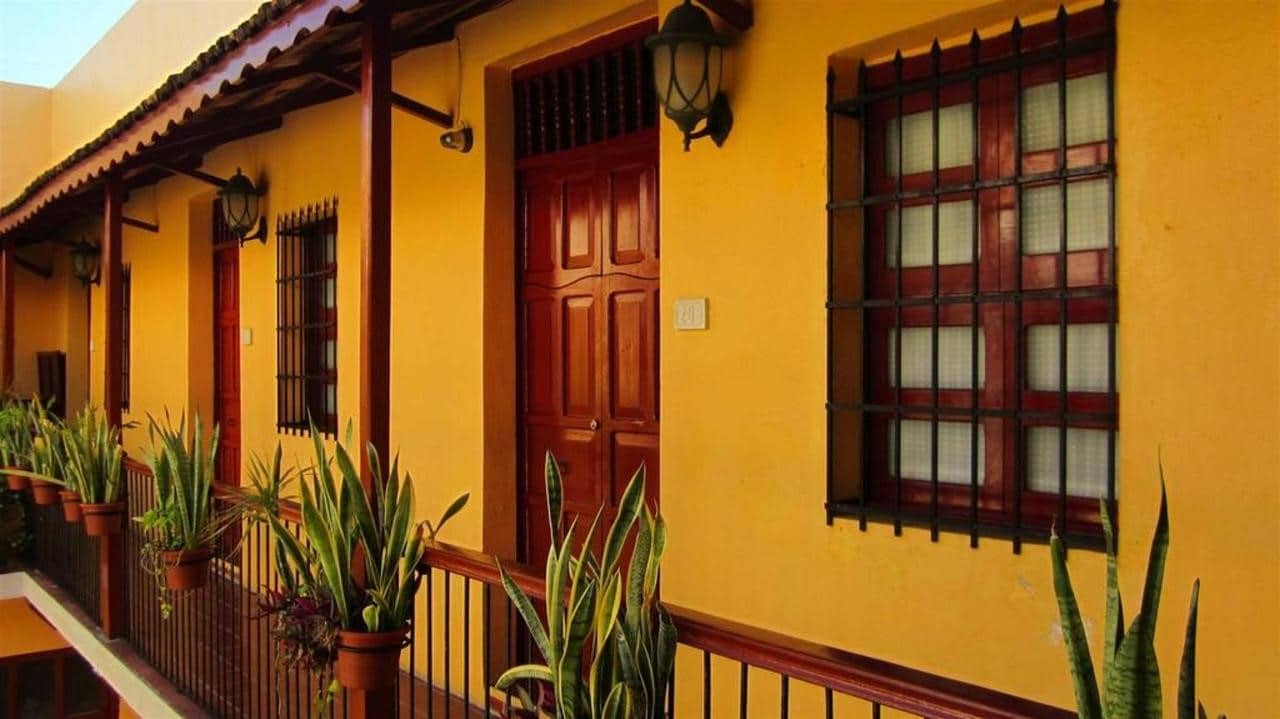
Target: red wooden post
<point x="375" y="275"/>
<point x="111" y="568"/>
<point x="6" y="317"/>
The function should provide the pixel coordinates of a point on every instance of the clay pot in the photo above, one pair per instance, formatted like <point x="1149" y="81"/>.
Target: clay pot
<point x="70" y="505"/>
<point x="17" y="482"/>
<point x="369" y="660"/>
<point x="102" y="519"/>
<point x="186" y="569"/>
<point x="44" y="493"/>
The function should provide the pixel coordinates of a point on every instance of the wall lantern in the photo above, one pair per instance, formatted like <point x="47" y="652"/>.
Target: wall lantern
<point x="86" y="262"/>
<point x="688" y="60"/>
<point x="241" y="205"/>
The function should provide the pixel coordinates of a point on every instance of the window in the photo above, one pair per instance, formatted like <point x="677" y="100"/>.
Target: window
<point x="307" y="319"/>
<point x="126" y="312"/>
<point x="972" y="302"/>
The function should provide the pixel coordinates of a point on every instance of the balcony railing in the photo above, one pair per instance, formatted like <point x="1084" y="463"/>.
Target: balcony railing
<point x="216" y="649"/>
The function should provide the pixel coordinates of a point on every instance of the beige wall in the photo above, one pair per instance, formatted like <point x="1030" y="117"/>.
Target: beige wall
<point x="25" y="118"/>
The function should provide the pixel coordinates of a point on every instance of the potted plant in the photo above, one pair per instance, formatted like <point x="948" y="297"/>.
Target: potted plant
<point x="1131" y="674"/>
<point x="369" y="622"/>
<point x="91" y="466"/>
<point x="15" y="444"/>
<point x="183" y="524"/>
<point x="591" y="613"/>
<point x="46" y="455"/>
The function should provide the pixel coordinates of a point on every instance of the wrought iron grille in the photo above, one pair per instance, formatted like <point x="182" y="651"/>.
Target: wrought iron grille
<point x="307" y="319"/>
<point x="972" y="285"/>
<point x="126" y="311"/>
<point x="595" y="93"/>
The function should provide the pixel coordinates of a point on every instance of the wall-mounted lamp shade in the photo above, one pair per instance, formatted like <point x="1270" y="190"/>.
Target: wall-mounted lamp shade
<point x="688" y="62"/>
<point x="240" y="204"/>
<point x="86" y="262"/>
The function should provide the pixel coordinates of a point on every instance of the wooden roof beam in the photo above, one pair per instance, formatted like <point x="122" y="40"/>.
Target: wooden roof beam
<point x="398" y="101"/>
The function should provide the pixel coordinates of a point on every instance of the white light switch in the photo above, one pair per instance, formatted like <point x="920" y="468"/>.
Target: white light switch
<point x="246" y="336"/>
<point x="691" y="313"/>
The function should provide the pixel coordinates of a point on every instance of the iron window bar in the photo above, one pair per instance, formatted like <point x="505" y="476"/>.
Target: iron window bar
<point x="1014" y="420"/>
<point x="306" y="319"/>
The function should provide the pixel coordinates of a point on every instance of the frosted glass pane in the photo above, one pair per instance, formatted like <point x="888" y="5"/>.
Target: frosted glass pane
<point x="331" y="400"/>
<point x="955" y="140"/>
<point x="330" y="248"/>
<point x="1086" y="461"/>
<point x="955" y="235"/>
<point x="1087" y="220"/>
<point x="330" y="354"/>
<point x="955" y="357"/>
<point x="1086" y="113"/>
<point x="330" y="294"/>
<point x="1086" y="357"/>
<point x="954" y="456"/>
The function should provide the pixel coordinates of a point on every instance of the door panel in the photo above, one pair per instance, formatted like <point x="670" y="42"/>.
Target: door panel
<point x="226" y="348"/>
<point x="588" y="330"/>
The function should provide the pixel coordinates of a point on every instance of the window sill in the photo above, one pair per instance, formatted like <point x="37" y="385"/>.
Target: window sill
<point x="1087" y="540"/>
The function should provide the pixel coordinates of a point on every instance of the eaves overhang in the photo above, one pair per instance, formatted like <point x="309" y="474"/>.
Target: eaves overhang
<point x="284" y="57"/>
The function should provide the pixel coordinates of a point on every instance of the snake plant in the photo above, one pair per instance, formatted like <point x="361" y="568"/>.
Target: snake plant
<point x="632" y="639"/>
<point x="1130" y="673"/>
<point x="338" y="517"/>
<point x="184" y="515"/>
<point x="91" y="457"/>
<point x="46" y="446"/>
<point x="15" y="435"/>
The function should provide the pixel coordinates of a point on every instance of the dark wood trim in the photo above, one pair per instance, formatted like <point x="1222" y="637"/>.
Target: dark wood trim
<point x="33" y="267"/>
<point x="140" y="224"/>
<point x="111" y="569"/>
<point x="194" y="174"/>
<point x="7" y="261"/>
<point x="398" y="101"/>
<point x="737" y="13"/>
<point x="916" y="692"/>
<point x="375" y="276"/>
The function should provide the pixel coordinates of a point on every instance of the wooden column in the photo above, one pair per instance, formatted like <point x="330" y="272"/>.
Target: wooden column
<point x="6" y="316"/>
<point x="375" y="234"/>
<point x="111" y="567"/>
<point x="375" y="276"/>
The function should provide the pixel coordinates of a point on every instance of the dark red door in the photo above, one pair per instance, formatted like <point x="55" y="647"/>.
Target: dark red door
<point x="589" y="327"/>
<point x="226" y="349"/>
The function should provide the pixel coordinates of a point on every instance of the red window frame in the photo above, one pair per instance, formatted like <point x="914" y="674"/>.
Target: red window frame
<point x="904" y="297"/>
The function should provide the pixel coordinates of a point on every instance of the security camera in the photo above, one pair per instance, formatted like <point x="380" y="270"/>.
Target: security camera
<point x="460" y="139"/>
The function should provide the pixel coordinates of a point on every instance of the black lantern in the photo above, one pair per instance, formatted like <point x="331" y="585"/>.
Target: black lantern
<point x="688" y="60"/>
<point x="240" y="208"/>
<point x="86" y="262"/>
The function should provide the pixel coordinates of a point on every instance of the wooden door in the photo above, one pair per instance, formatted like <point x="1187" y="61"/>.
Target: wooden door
<point x="226" y="349"/>
<point x="588" y="328"/>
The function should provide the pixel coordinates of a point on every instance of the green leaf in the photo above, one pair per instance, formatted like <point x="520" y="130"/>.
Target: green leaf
<point x="1113" y="634"/>
<point x="536" y="672"/>
<point x="555" y="498"/>
<point x="628" y="510"/>
<point x="1073" y="635"/>
<point x="449" y="513"/>
<point x="527" y="612"/>
<point x="1187" y="672"/>
<point x="1133" y="689"/>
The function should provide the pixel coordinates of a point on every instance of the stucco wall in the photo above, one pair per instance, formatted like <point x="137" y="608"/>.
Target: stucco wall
<point x="743" y="425"/>
<point x="24" y="136"/>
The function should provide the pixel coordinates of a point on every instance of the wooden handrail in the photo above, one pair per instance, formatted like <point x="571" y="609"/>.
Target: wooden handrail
<point x="868" y="678"/>
<point x="875" y="680"/>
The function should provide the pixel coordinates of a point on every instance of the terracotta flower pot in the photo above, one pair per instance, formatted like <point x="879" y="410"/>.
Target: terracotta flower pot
<point x="70" y="505"/>
<point x="17" y="482"/>
<point x="186" y="569"/>
<point x="44" y="493"/>
<point x="102" y="519"/>
<point x="369" y="660"/>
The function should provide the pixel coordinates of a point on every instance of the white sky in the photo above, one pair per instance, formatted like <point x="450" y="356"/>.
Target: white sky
<point x="41" y="40"/>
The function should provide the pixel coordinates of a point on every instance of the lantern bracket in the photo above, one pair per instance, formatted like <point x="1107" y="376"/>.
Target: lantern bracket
<point x="717" y="125"/>
<point x="260" y="235"/>
<point x="737" y="13"/>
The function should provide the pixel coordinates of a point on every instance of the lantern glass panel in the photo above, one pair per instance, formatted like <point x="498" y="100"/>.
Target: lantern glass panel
<point x="697" y="75"/>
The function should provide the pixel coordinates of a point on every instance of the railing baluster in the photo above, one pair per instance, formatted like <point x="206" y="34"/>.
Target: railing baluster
<point x="742" y="691"/>
<point x="466" y="645"/>
<point x="706" y="684"/>
<point x="786" y="704"/>
<point x="448" y="620"/>
<point x="431" y="681"/>
<point x="829" y="701"/>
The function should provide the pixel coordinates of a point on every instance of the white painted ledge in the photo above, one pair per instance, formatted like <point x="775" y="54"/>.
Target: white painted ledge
<point x="103" y="656"/>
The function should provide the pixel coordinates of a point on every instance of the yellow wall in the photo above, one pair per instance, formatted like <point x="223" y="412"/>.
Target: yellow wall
<point x="24" y="136"/>
<point x="742" y="407"/>
<point x="154" y="39"/>
<point x="50" y="314"/>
